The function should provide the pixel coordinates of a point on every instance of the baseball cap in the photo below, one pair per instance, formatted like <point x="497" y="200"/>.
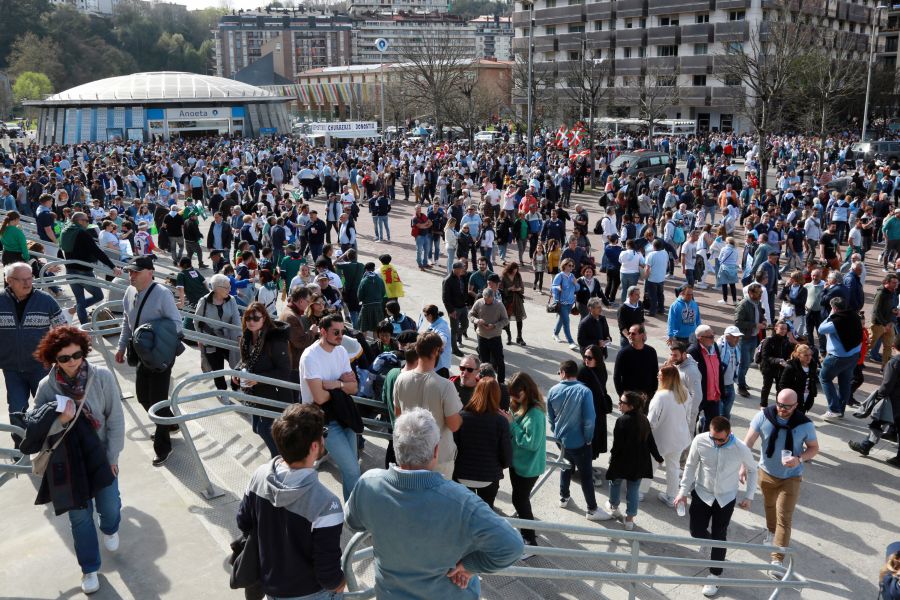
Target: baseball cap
<point x="141" y="263"/>
<point x="733" y="330"/>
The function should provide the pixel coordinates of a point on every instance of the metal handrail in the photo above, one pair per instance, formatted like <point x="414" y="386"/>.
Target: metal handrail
<point x="22" y="464"/>
<point x="633" y="559"/>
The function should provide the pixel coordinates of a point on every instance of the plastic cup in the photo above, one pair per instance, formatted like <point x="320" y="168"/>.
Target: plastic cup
<point x="786" y="455"/>
<point x="681" y="509"/>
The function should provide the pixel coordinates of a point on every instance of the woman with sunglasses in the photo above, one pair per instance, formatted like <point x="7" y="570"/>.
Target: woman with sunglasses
<point x="264" y="351"/>
<point x="593" y="374"/>
<point x="629" y="459"/>
<point x="527" y="418"/>
<point x="79" y="407"/>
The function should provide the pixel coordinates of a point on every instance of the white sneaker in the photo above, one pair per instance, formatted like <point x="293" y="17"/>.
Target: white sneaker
<point x="670" y="502"/>
<point x="556" y="337"/>
<point x="721" y="301"/>
<point x="613" y="510"/>
<point x="629" y="525"/>
<point x="701" y="286"/>
<point x="770" y="537"/>
<point x="598" y="514"/>
<point x="111" y="542"/>
<point x="831" y="415"/>
<point x="90" y="583"/>
<point x="573" y="347"/>
<point x="564" y="502"/>
<point x="711" y="589"/>
<point x="776" y="574"/>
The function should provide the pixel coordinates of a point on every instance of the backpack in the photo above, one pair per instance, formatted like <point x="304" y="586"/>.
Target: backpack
<point x="678" y="236"/>
<point x="757" y="354"/>
<point x="381" y="366"/>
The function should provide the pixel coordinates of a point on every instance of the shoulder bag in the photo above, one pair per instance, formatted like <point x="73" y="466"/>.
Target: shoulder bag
<point x="41" y="460"/>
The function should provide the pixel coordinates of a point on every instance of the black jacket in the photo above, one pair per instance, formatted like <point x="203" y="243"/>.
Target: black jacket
<point x="484" y="447"/>
<point x="773" y="349"/>
<point x="274" y="361"/>
<point x="596" y="382"/>
<point x="697" y="352"/>
<point x="87" y="250"/>
<point x="592" y="331"/>
<point x="635" y="370"/>
<point x="793" y="377"/>
<point x="630" y="316"/>
<point x="227" y="237"/>
<point x="630" y="455"/>
<point x="799" y="302"/>
<point x="454" y="293"/>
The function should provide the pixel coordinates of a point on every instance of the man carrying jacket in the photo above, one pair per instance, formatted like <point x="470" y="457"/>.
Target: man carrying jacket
<point x="890" y="391"/>
<point x="153" y="302"/>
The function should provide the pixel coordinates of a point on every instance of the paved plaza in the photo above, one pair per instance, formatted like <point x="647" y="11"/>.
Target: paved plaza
<point x="175" y="542"/>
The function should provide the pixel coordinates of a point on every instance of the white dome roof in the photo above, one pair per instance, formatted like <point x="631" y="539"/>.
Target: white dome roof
<point x="159" y="86"/>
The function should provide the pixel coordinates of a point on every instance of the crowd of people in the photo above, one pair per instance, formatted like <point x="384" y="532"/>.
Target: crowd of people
<point x="287" y="289"/>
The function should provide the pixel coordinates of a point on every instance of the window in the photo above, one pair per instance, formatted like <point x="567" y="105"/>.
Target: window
<point x="890" y="44"/>
<point x="667" y="50"/>
<point x="734" y="47"/>
<point x="598" y="54"/>
<point x="629" y="24"/>
<point x="702" y="18"/>
<point x="642" y="51"/>
<point x="700" y="80"/>
<point x="666" y="80"/>
<point x="701" y="49"/>
<point x="668" y="21"/>
<point x="598" y="25"/>
<point x="732" y="80"/>
<point x="626" y="52"/>
<point x="551" y="4"/>
<point x="576" y="28"/>
<point x="737" y="15"/>
<point x="549" y="56"/>
<point x="575" y="2"/>
<point x="575" y="56"/>
<point x="643" y="23"/>
<point x="550" y="30"/>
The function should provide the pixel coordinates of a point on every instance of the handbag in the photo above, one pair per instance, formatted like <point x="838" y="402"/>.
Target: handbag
<point x="41" y="460"/>
<point x="131" y="355"/>
<point x="552" y="306"/>
<point x="245" y="566"/>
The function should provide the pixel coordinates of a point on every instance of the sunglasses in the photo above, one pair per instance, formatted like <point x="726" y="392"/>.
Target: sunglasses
<point x="782" y="406"/>
<point x="588" y="357"/>
<point x="718" y="440"/>
<point x="64" y="358"/>
<point x="467" y="369"/>
<point x="255" y="318"/>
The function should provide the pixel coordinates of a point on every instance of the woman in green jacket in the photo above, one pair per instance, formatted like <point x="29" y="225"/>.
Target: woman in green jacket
<point x="520" y="234"/>
<point x="527" y="418"/>
<point x="15" y="247"/>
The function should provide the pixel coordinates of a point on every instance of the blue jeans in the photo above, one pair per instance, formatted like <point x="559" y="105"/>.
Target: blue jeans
<point x="109" y="505"/>
<point x="727" y="402"/>
<point x="382" y="229"/>
<point x="632" y="494"/>
<point x="262" y="426"/>
<point x="20" y="386"/>
<point x="748" y="347"/>
<point x="842" y="368"/>
<point x="82" y="304"/>
<point x="655" y="294"/>
<point x="322" y="595"/>
<point x="341" y="446"/>
<point x="422" y="249"/>
<point x="628" y="280"/>
<point x="562" y="322"/>
<point x="316" y="249"/>
<point x="580" y="458"/>
<point x="435" y="250"/>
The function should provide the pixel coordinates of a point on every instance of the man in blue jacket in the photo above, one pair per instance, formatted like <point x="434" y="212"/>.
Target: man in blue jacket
<point x="570" y="408"/>
<point x="684" y="316"/>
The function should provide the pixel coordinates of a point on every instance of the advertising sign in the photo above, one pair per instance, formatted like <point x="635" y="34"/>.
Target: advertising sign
<point x="346" y="129"/>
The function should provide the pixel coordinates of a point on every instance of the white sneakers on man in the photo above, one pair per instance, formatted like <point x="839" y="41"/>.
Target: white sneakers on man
<point x="711" y="589"/>
<point x="90" y="583"/>
<point x="598" y="514"/>
<point x="111" y="542"/>
<point x="614" y="511"/>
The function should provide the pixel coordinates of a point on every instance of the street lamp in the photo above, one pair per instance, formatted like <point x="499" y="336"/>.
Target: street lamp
<point x="872" y="46"/>
<point x="530" y="68"/>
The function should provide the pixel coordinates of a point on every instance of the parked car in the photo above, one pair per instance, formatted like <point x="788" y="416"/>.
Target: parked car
<point x="867" y="151"/>
<point x="650" y="163"/>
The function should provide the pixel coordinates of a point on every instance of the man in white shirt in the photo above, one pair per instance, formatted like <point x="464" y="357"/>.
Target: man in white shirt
<point x="712" y="478"/>
<point x="324" y="367"/>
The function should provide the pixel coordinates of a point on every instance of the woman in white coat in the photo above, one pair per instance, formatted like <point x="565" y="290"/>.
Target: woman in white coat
<point x="669" y="416"/>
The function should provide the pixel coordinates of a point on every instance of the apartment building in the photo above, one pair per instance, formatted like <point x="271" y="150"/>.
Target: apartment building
<point x="493" y="37"/>
<point x="682" y="40"/>
<point x="298" y="41"/>
<point x="404" y="31"/>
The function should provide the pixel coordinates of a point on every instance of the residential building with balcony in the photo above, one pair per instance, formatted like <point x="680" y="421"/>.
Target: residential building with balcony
<point x="405" y="31"/>
<point x="684" y="42"/>
<point x="493" y="36"/>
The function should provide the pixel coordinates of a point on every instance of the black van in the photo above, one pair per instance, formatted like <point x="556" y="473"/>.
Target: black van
<point x="649" y="163"/>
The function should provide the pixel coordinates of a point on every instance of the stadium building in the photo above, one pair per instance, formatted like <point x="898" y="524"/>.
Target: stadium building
<point x="160" y="105"/>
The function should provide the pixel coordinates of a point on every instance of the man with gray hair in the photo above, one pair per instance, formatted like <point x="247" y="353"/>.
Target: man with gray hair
<point x="397" y="504"/>
<point x="489" y="317"/>
<point x="749" y="318"/>
<point x="26" y="315"/>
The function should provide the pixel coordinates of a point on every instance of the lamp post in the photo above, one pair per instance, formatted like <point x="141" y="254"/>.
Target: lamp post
<point x="530" y="68"/>
<point x="381" y="45"/>
<point x="872" y="46"/>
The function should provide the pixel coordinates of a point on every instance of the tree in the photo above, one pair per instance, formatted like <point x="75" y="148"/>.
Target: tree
<point x="473" y="104"/>
<point x="543" y="91"/>
<point x="20" y="17"/>
<point x="33" y="53"/>
<point x="436" y="65"/>
<point x="653" y="92"/>
<point x="586" y="86"/>
<point x="31" y="86"/>
<point x="766" y="66"/>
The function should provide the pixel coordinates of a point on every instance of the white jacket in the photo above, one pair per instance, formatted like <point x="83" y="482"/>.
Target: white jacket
<point x="713" y="471"/>
<point x="692" y="380"/>
<point x="669" y="422"/>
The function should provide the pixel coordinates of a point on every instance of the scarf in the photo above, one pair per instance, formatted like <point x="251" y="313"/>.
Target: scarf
<point x="250" y="352"/>
<point x="848" y="328"/>
<point x="74" y="388"/>
<point x="797" y="419"/>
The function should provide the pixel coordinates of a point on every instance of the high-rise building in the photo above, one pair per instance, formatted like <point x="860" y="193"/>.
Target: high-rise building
<point x="493" y="36"/>
<point x="405" y="31"/>
<point x="683" y="40"/>
<point x="298" y="41"/>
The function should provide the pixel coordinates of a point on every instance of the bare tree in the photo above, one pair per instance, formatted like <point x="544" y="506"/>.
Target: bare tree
<point x="653" y="92"/>
<point x="473" y="104"/>
<point x="766" y="66"/>
<point x="435" y="66"/>
<point x="884" y="99"/>
<point x="543" y="89"/>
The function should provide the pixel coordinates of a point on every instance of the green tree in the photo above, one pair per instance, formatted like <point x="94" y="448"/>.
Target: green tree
<point x="20" y="17"/>
<point x="33" y="53"/>
<point x="31" y="86"/>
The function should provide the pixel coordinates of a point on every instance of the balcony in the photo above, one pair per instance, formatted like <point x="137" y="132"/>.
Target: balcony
<point x="544" y="43"/>
<point x="663" y="64"/>
<point x="696" y="65"/>
<point x="858" y="14"/>
<point x="562" y="14"/>
<point x="815" y="8"/>
<point x="733" y="31"/>
<point x="631" y="8"/>
<point x="694" y="95"/>
<point x="520" y="44"/>
<point x="728" y="95"/>
<point x="600" y="39"/>
<point x="700" y="33"/>
<point x="520" y="18"/>
<point x="671" y="7"/>
<point x="732" y="4"/>
<point x="664" y="35"/>
<point x="596" y="11"/>
<point x="628" y="66"/>
<point x="631" y="37"/>
<point x="570" y="41"/>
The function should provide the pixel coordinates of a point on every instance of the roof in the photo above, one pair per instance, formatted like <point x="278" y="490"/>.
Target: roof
<point x="261" y="72"/>
<point x="159" y="86"/>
